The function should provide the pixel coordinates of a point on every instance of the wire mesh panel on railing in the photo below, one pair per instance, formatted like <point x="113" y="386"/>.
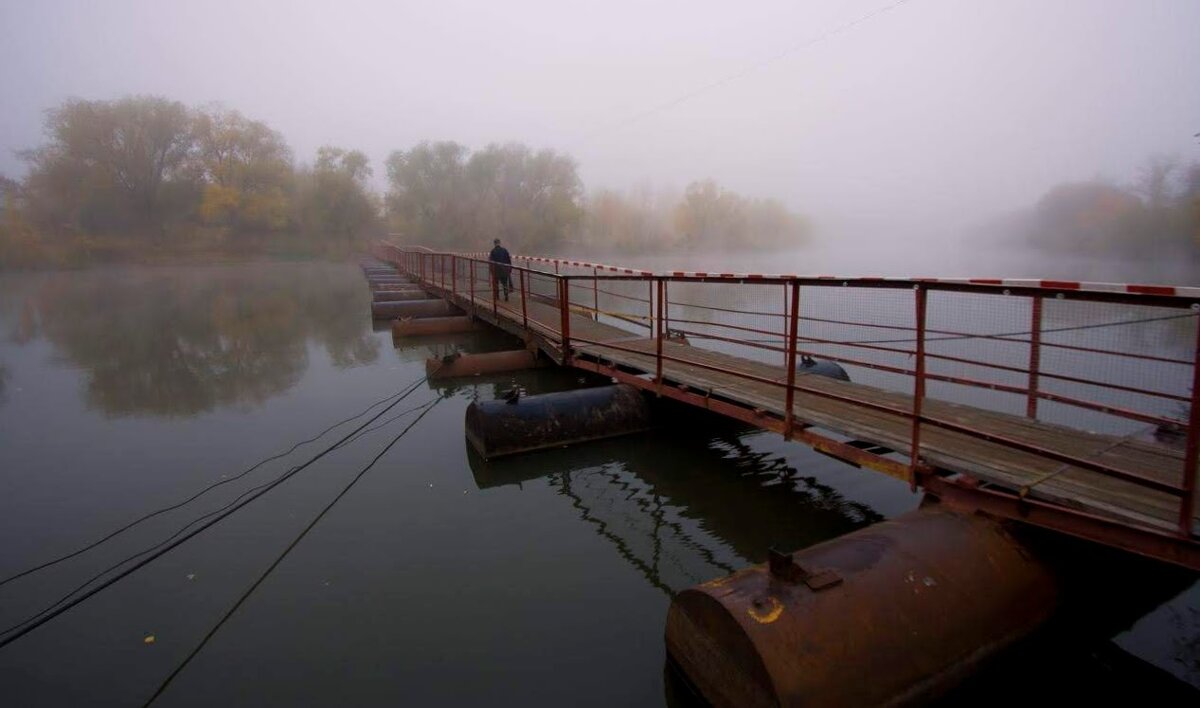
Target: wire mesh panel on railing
<point x="1107" y="367"/>
<point x="542" y="307"/>
<point x="480" y="283"/>
<point x="543" y="286"/>
<point x="868" y="331"/>
<point x="624" y="303"/>
<point x="1136" y="361"/>
<point x="966" y="359"/>
<point x="746" y="319"/>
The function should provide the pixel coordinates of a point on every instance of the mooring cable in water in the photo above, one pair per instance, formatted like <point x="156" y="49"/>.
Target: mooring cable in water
<point x="295" y="542"/>
<point x="197" y="495"/>
<point x="27" y="625"/>
<point x="185" y="527"/>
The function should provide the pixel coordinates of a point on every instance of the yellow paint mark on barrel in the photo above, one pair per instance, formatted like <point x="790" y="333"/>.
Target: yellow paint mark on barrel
<point x="765" y="610"/>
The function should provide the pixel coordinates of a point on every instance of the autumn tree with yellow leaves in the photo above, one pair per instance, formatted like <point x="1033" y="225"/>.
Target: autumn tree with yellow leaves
<point x="247" y="171"/>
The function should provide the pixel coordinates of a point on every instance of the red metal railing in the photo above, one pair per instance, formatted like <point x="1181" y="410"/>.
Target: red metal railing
<point x="931" y="316"/>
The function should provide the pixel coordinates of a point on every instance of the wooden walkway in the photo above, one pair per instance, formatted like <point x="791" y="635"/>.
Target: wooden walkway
<point x="1039" y="477"/>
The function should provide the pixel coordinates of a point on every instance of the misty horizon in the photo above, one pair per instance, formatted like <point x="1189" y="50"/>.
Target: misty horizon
<point x="858" y="115"/>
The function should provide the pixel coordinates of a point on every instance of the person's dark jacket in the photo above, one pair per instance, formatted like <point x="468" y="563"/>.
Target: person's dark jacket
<point x="499" y="254"/>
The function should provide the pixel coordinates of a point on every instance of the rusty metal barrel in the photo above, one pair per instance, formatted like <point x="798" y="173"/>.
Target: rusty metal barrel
<point x="456" y="365"/>
<point x="894" y="613"/>
<point x="417" y="326"/>
<point x="399" y="295"/>
<point x="524" y="423"/>
<point x="430" y="307"/>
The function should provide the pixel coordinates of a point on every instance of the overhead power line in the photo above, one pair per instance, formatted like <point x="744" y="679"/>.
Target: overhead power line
<point x="729" y="78"/>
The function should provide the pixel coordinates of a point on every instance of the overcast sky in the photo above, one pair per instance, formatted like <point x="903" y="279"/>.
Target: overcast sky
<point x="930" y="108"/>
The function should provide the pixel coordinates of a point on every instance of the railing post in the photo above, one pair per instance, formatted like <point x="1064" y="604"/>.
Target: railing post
<point x="454" y="276"/>
<point x="792" y="345"/>
<point x="658" y="364"/>
<point x="918" y="387"/>
<point x="595" y="295"/>
<point x="495" y="284"/>
<point x="1187" y="504"/>
<point x="650" y="305"/>
<point x="666" y="311"/>
<point x="564" y="302"/>
<point x="471" y="283"/>
<point x="524" y="298"/>
<point x="1035" y="356"/>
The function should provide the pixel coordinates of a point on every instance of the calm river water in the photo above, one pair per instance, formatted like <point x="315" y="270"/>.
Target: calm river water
<point x="438" y="580"/>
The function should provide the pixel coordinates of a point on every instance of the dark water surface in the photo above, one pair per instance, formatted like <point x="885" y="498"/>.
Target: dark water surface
<point x="438" y="580"/>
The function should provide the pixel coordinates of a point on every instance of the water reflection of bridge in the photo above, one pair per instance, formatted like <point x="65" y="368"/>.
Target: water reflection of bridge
<point x="681" y="508"/>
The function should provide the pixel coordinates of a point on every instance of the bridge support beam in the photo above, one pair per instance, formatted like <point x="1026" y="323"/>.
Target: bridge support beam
<point x="894" y="613"/>
<point x="413" y="308"/>
<point x="399" y="295"/>
<point x="417" y="326"/>
<point x="389" y="282"/>
<point x="523" y="424"/>
<point x="479" y="364"/>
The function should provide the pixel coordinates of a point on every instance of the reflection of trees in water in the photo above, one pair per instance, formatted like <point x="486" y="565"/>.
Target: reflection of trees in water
<point x="17" y="314"/>
<point x="180" y="342"/>
<point x="335" y="303"/>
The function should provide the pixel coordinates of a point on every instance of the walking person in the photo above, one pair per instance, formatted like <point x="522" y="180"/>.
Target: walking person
<point x="501" y="266"/>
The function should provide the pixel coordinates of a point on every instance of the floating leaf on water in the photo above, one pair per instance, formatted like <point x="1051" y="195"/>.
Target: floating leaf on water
<point x="148" y="639"/>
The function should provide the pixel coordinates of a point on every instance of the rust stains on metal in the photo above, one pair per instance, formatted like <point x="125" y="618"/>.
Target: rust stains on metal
<point x="414" y="326"/>
<point x="525" y="423"/>
<point x="915" y="603"/>
<point x="456" y="365"/>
